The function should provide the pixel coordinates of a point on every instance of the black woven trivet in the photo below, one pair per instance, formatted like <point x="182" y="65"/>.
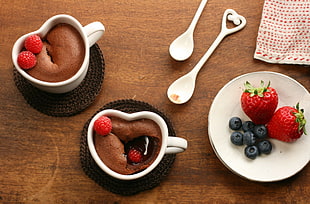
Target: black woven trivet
<point x="70" y="103"/>
<point x="112" y="184"/>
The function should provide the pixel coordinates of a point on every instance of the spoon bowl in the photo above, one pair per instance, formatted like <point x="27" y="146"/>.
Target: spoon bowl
<point x="182" y="89"/>
<point x="183" y="46"/>
<point x="180" y="92"/>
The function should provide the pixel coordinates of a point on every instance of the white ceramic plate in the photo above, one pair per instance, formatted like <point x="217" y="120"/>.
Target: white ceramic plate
<point x="286" y="159"/>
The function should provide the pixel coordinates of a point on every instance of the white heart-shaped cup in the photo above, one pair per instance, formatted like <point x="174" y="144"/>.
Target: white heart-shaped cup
<point x="169" y="145"/>
<point x="89" y="33"/>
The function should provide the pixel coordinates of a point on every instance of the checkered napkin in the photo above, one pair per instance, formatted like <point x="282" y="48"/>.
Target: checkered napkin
<point x="284" y="32"/>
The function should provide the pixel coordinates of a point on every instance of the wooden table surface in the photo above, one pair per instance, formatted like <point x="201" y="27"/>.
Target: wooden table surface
<point x="40" y="160"/>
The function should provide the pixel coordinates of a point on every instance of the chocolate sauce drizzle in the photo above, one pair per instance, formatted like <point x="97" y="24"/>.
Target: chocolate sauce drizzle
<point x="145" y="144"/>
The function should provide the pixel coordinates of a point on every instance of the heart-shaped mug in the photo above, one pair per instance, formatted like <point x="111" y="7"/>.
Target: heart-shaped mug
<point x="169" y="144"/>
<point x="90" y="34"/>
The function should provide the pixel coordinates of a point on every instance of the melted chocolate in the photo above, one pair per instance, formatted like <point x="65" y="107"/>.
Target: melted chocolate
<point x="145" y="144"/>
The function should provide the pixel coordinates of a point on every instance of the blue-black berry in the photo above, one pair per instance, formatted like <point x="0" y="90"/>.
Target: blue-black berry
<point x="248" y="126"/>
<point x="236" y="138"/>
<point x="253" y="136"/>
<point x="249" y="138"/>
<point x="235" y="123"/>
<point x="251" y="152"/>
<point x="264" y="147"/>
<point x="260" y="131"/>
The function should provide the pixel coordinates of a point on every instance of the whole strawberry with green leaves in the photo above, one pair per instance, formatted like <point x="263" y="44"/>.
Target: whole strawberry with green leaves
<point x="287" y="124"/>
<point x="259" y="103"/>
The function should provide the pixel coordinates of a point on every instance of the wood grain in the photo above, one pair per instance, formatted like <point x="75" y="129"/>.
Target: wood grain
<point x="40" y="154"/>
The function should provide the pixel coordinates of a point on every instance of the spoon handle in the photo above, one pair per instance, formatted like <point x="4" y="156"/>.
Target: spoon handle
<point x="224" y="32"/>
<point x="206" y="56"/>
<point x="197" y="15"/>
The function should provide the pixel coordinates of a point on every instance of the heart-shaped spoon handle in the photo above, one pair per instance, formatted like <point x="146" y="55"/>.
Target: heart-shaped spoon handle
<point x="231" y="15"/>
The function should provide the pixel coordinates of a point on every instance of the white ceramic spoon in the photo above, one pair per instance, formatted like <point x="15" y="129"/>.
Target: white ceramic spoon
<point x="182" y="47"/>
<point x="182" y="89"/>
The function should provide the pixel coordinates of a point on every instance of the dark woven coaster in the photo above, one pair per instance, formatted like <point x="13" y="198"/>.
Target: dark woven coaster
<point x="117" y="186"/>
<point x="70" y="103"/>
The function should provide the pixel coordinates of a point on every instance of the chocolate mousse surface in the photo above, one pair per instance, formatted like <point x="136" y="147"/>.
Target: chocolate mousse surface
<point x="112" y="148"/>
<point x="62" y="54"/>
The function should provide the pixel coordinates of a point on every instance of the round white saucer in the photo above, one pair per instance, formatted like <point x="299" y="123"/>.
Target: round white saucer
<point x="286" y="159"/>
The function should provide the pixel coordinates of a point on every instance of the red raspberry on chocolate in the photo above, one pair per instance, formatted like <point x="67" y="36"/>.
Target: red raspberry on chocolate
<point x="34" y="44"/>
<point x="103" y="125"/>
<point x="26" y="60"/>
<point x="135" y="156"/>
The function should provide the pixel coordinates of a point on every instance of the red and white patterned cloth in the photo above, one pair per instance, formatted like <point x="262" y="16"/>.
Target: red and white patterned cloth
<point x="284" y="32"/>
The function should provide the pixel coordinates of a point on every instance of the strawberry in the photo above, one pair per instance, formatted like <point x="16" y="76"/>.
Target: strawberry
<point x="135" y="156"/>
<point x="260" y="103"/>
<point x="26" y="60"/>
<point x="103" y="125"/>
<point x="33" y="43"/>
<point x="287" y="124"/>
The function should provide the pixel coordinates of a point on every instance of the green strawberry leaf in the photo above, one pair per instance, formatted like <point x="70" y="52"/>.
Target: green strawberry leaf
<point x="300" y="119"/>
<point x="256" y="91"/>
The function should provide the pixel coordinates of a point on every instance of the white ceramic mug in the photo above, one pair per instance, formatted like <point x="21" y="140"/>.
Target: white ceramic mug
<point x="89" y="33"/>
<point x="170" y="145"/>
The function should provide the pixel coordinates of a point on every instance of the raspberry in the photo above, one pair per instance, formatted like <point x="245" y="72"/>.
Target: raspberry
<point x="134" y="156"/>
<point x="34" y="44"/>
<point x="103" y="125"/>
<point x="26" y="60"/>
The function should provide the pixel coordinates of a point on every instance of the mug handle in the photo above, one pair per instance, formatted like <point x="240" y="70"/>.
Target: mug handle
<point x="176" y="145"/>
<point x="94" y="31"/>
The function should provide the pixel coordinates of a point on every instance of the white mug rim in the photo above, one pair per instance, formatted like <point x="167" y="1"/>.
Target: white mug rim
<point x="18" y="46"/>
<point x="137" y="115"/>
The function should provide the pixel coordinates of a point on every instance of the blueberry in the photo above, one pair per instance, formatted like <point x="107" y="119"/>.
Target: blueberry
<point x="264" y="147"/>
<point x="235" y="123"/>
<point x="236" y="138"/>
<point x="260" y="131"/>
<point x="251" y="152"/>
<point x="248" y="126"/>
<point x="249" y="138"/>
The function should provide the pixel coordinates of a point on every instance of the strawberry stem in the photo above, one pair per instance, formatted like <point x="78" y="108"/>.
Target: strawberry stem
<point x="300" y="119"/>
<point x="256" y="91"/>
